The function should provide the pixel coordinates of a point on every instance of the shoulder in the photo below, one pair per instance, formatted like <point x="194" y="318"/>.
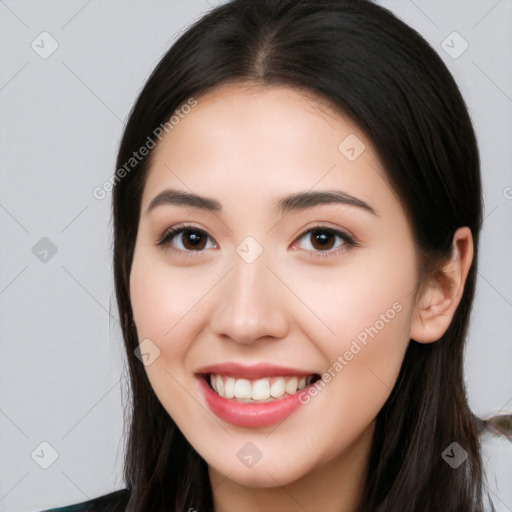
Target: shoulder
<point x="114" y="502"/>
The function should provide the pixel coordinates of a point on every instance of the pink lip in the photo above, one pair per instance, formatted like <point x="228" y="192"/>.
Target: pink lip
<point x="245" y="414"/>
<point x="255" y="371"/>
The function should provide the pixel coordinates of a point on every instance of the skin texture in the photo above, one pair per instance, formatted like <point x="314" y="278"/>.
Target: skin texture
<point x="246" y="147"/>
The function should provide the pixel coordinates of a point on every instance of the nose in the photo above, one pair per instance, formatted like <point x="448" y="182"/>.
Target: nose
<point x="250" y="304"/>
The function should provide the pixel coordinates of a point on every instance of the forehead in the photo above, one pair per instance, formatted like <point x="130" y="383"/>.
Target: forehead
<point x="258" y="140"/>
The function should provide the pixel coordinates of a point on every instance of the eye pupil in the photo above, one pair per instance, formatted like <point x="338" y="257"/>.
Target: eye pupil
<point x="193" y="238"/>
<point x="323" y="238"/>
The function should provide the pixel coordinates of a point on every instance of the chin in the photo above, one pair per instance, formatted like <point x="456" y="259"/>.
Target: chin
<point x="263" y="474"/>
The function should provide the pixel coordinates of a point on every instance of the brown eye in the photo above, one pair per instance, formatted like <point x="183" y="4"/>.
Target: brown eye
<point x="193" y="240"/>
<point x="323" y="240"/>
<point x="186" y="239"/>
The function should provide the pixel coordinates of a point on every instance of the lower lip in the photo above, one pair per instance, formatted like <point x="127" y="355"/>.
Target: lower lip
<point x="251" y="415"/>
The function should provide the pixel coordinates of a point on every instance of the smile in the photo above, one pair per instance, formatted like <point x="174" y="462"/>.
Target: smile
<point x="253" y="396"/>
<point x="257" y="390"/>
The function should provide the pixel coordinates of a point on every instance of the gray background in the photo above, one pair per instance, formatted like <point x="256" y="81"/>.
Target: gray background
<point x="62" y="117"/>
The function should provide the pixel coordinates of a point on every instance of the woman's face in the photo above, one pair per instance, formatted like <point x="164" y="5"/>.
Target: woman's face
<point x="297" y="262"/>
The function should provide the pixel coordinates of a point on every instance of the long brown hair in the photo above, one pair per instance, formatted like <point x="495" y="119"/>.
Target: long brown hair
<point x="382" y="75"/>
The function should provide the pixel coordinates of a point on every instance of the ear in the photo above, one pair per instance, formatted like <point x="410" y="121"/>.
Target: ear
<point x="442" y="292"/>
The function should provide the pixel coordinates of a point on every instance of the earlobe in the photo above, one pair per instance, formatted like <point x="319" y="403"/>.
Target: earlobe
<point x="443" y="290"/>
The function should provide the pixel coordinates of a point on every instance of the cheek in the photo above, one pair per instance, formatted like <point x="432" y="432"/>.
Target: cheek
<point x="368" y="297"/>
<point x="169" y="304"/>
<point x="153" y="293"/>
<point x="161" y="301"/>
<point x="362" y="326"/>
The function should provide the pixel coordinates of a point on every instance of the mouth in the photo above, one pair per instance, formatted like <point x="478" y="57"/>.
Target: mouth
<point x="254" y="396"/>
<point x="261" y="390"/>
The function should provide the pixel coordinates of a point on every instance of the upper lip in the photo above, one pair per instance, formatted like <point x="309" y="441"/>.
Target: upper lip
<point x="254" y="371"/>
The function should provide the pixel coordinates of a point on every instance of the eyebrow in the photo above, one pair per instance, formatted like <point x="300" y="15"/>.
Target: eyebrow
<point x="309" y="199"/>
<point x="294" y="202"/>
<point x="181" y="198"/>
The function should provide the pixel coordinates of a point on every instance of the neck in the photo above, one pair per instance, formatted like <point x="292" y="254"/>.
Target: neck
<point x="334" y="486"/>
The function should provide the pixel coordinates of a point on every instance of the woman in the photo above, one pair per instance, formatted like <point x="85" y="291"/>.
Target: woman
<point x="297" y="209"/>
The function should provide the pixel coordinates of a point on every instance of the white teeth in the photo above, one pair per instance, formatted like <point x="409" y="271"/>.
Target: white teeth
<point x="219" y="385"/>
<point x="243" y="388"/>
<point x="229" y="388"/>
<point x="278" y="387"/>
<point x="260" y="390"/>
<point x="291" y="385"/>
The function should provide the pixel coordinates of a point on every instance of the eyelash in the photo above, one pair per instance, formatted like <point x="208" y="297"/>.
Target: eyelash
<point x="348" y="240"/>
